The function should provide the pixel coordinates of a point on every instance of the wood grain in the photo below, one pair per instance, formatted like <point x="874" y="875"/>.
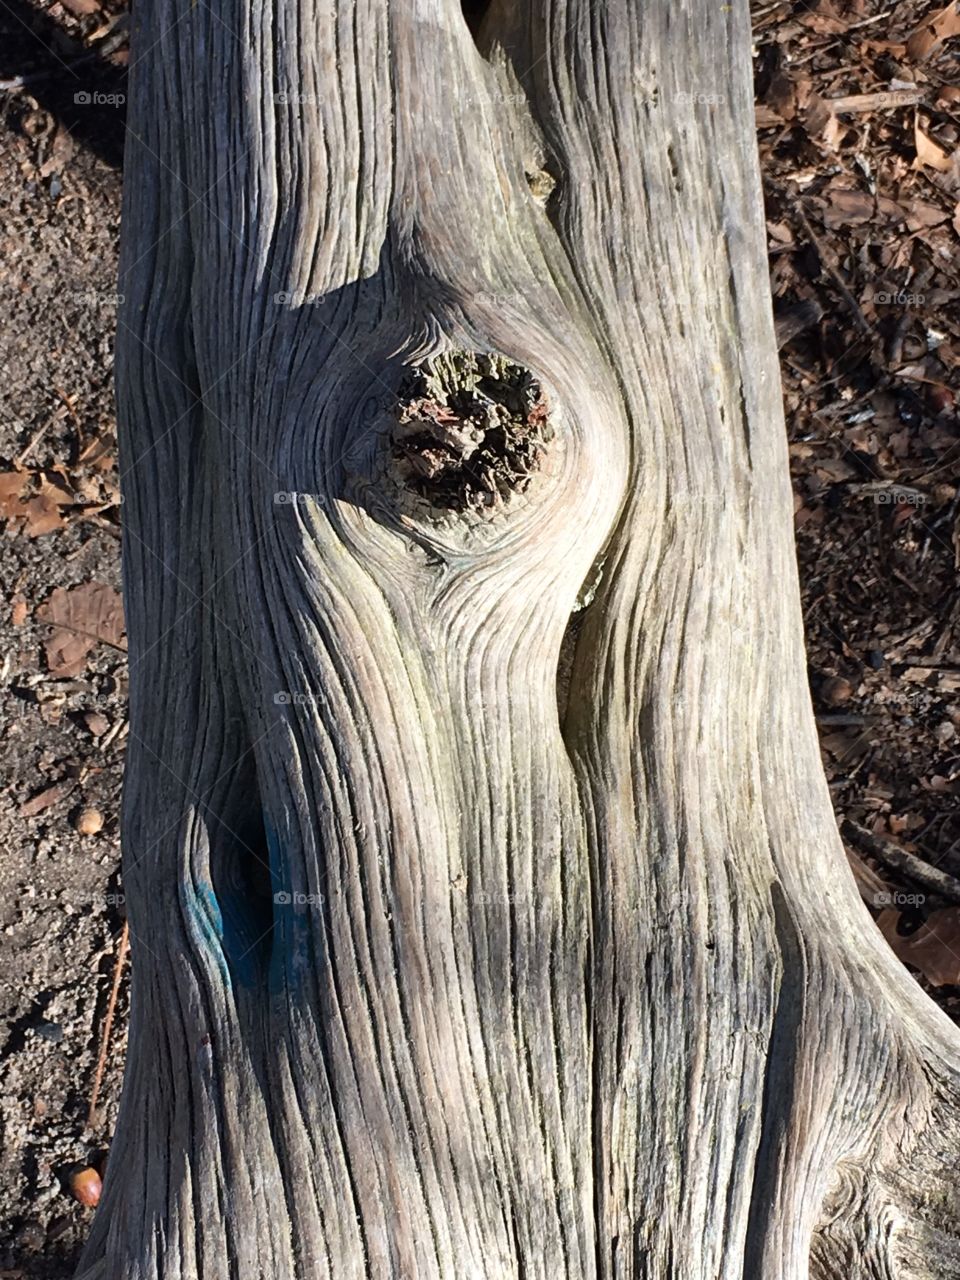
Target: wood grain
<point x="428" y="980"/>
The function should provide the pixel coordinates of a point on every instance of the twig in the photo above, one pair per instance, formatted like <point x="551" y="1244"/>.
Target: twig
<point x="854" y="720"/>
<point x="896" y="858"/>
<point x="35" y="439"/>
<point x="890" y="98"/>
<point x="108" y="1024"/>
<point x="834" y="274"/>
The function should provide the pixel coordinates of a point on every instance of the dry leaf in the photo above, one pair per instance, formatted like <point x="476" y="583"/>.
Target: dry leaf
<point x="12" y="484"/>
<point x="781" y="97"/>
<point x="932" y="31"/>
<point x="934" y="948"/>
<point x="832" y="134"/>
<point x="929" y="153"/>
<point x="890" y="209"/>
<point x="40" y="512"/>
<point x="60" y="153"/>
<point x="765" y="118"/>
<point x="925" y="215"/>
<point x="817" y="115"/>
<point x="42" y="515"/>
<point x="82" y="617"/>
<point x="823" y="25"/>
<point x="18" y="612"/>
<point x="847" y="208"/>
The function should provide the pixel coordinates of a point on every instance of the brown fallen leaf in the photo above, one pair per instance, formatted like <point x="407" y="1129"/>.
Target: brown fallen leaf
<point x="782" y="96"/>
<point x="60" y="152"/>
<point x="925" y="215"/>
<point x="932" y="31"/>
<point x="847" y="208"/>
<point x="934" y="948"/>
<point x="12" y="485"/>
<point x="40" y="512"/>
<point x="82" y="617"/>
<point x="823" y="24"/>
<point x="930" y="153"/>
<point x="18" y="612"/>
<point x="44" y="799"/>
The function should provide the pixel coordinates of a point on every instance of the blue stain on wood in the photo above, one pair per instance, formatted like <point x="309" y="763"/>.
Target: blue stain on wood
<point x="245" y="935"/>
<point x="291" y="926"/>
<point x="236" y="930"/>
<point x="205" y="915"/>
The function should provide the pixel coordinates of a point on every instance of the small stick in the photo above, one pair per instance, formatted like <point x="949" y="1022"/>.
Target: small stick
<point x="895" y="858"/>
<point x="34" y="440"/>
<point x="832" y="271"/>
<point x="108" y="1023"/>
<point x="874" y="101"/>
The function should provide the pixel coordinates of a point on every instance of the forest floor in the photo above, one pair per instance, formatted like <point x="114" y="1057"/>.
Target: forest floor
<point x="858" y="115"/>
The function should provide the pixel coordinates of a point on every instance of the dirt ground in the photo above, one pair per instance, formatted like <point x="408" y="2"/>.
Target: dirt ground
<point x="858" y="125"/>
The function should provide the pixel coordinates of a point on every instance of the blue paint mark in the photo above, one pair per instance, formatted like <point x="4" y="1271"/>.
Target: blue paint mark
<point x="244" y="938"/>
<point x="291" y="951"/>
<point x="233" y="930"/>
<point x="205" y="916"/>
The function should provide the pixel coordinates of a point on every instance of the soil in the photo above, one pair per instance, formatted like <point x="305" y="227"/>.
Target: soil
<point x="863" y="222"/>
<point x="62" y="910"/>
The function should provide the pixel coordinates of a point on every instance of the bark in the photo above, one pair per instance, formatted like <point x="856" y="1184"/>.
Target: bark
<point x="488" y="910"/>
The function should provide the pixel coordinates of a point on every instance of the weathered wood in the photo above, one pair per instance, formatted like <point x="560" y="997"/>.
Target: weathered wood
<point x="437" y="357"/>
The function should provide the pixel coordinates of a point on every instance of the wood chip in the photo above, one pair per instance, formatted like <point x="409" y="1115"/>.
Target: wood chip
<point x="44" y="799"/>
<point x="930" y="153"/>
<point x="887" y="100"/>
<point x="933" y="31"/>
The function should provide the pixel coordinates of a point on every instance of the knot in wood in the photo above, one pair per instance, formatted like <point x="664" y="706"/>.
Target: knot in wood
<point x="470" y="430"/>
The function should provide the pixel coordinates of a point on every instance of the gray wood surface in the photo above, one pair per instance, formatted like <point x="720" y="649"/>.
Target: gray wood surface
<point x="436" y="974"/>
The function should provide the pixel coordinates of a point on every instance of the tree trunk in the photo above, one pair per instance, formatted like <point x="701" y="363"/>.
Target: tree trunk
<point x="489" y="915"/>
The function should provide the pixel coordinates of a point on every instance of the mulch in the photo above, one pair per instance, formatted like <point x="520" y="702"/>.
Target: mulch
<point x="858" y="117"/>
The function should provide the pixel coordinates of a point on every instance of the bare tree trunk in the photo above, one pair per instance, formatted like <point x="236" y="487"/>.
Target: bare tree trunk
<point x="439" y="358"/>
